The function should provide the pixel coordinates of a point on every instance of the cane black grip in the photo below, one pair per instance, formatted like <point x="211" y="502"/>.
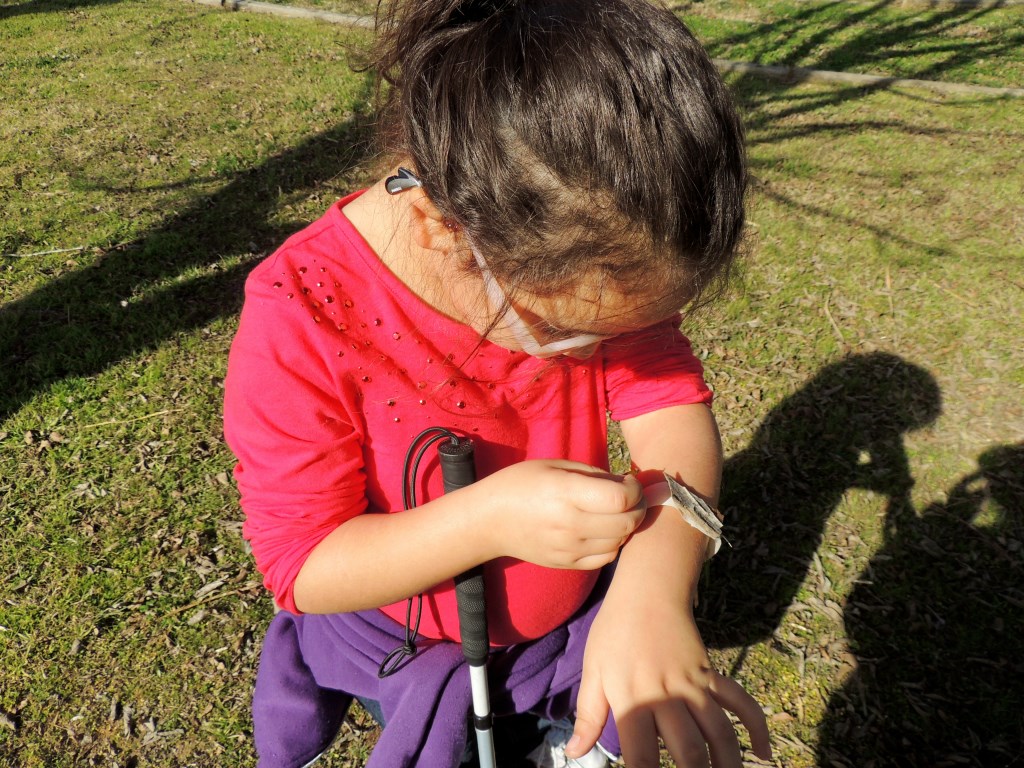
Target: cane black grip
<point x="469" y="594"/>
<point x="458" y="471"/>
<point x="457" y="467"/>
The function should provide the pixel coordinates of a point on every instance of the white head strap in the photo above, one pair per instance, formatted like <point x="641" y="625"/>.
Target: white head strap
<point x="518" y="328"/>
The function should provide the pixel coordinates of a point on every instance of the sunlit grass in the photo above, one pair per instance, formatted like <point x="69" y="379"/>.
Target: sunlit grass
<point x="867" y="362"/>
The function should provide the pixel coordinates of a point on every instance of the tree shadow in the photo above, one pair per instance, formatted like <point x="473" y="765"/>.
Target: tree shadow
<point x="758" y="98"/>
<point x="9" y="10"/>
<point x="170" y="280"/>
<point x="936" y="622"/>
<point x="880" y="233"/>
<point x="843" y="430"/>
<point x="777" y="111"/>
<point x="817" y="37"/>
<point x="769" y="125"/>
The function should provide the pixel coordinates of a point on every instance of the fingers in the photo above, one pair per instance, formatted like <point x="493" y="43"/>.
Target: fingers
<point x="618" y="527"/>
<point x="602" y="492"/>
<point x="718" y="732"/>
<point x="591" y="715"/>
<point x="696" y="735"/>
<point x="683" y="739"/>
<point x="580" y="516"/>
<point x="638" y="737"/>
<point x="731" y="695"/>
<point x="708" y="715"/>
<point x="634" y="491"/>
<point x="594" y="562"/>
<point x="582" y="534"/>
<point x="599" y="539"/>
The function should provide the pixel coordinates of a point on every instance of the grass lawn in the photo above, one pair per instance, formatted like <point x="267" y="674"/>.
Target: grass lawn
<point x="868" y="371"/>
<point x="981" y="45"/>
<point x="952" y="43"/>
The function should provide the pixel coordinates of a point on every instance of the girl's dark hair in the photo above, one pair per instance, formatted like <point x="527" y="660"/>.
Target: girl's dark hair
<point x="566" y="136"/>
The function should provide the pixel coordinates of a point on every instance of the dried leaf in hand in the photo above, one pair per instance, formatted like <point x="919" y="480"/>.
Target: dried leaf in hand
<point x="703" y="517"/>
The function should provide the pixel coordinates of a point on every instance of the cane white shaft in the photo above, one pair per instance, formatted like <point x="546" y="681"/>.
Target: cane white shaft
<point x="482" y="716"/>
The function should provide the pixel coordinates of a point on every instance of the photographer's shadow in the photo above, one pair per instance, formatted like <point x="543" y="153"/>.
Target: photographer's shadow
<point x="936" y="622"/>
<point x="844" y="429"/>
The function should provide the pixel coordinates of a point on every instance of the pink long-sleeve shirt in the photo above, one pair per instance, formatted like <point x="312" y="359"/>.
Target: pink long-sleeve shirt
<point x="337" y="366"/>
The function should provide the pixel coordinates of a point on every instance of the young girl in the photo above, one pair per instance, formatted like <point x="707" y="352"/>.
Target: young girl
<point x="572" y="174"/>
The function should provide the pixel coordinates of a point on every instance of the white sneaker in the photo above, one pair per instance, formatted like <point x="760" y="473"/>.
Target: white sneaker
<point x="551" y="752"/>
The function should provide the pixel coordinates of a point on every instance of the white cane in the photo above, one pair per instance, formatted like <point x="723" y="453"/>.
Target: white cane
<point x="458" y="471"/>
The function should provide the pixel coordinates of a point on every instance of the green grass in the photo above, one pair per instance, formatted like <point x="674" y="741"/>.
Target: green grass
<point x="352" y="7"/>
<point x="979" y="45"/>
<point x="951" y="43"/>
<point x="867" y="368"/>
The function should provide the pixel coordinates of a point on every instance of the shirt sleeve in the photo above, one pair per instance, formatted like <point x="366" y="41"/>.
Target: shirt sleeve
<point x="300" y="466"/>
<point x="652" y="369"/>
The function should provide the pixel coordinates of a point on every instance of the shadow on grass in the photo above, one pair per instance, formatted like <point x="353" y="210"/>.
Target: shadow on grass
<point x="170" y="280"/>
<point x="936" y="622"/>
<point x="775" y="112"/>
<point x="875" y="41"/>
<point x="806" y="211"/>
<point x="843" y="430"/>
<point x="9" y="10"/>
<point x="934" y="675"/>
<point x="758" y="96"/>
<point x="860" y="35"/>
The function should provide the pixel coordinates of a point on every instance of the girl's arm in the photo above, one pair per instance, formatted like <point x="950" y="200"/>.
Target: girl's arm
<point x="558" y="514"/>
<point x="645" y="659"/>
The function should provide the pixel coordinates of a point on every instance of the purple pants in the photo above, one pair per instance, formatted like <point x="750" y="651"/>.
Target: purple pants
<point x="312" y="666"/>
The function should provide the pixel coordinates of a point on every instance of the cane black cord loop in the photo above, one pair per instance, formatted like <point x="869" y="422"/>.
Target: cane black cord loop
<point x="398" y="658"/>
<point x="395" y="660"/>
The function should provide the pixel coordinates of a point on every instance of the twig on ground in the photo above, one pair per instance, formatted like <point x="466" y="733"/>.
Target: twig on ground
<point x="955" y="295"/>
<point x="129" y="421"/>
<point x="888" y="291"/>
<point x="741" y="370"/>
<point x="207" y="599"/>
<point x="45" y="253"/>
<point x="835" y="325"/>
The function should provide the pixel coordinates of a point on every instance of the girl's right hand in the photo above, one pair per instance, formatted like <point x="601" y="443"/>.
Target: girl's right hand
<point x="559" y="514"/>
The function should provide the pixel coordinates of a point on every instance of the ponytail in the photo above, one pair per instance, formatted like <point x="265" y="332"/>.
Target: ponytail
<point x="402" y="24"/>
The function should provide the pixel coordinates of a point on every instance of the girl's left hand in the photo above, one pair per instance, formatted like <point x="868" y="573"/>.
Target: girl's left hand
<point x="654" y="674"/>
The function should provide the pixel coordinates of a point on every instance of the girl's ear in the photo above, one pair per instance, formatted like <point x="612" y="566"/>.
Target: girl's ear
<point x="430" y="229"/>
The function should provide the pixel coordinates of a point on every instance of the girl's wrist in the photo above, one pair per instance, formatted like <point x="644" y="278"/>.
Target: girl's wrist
<point x="662" y="559"/>
<point x="482" y="522"/>
<point x="694" y="510"/>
